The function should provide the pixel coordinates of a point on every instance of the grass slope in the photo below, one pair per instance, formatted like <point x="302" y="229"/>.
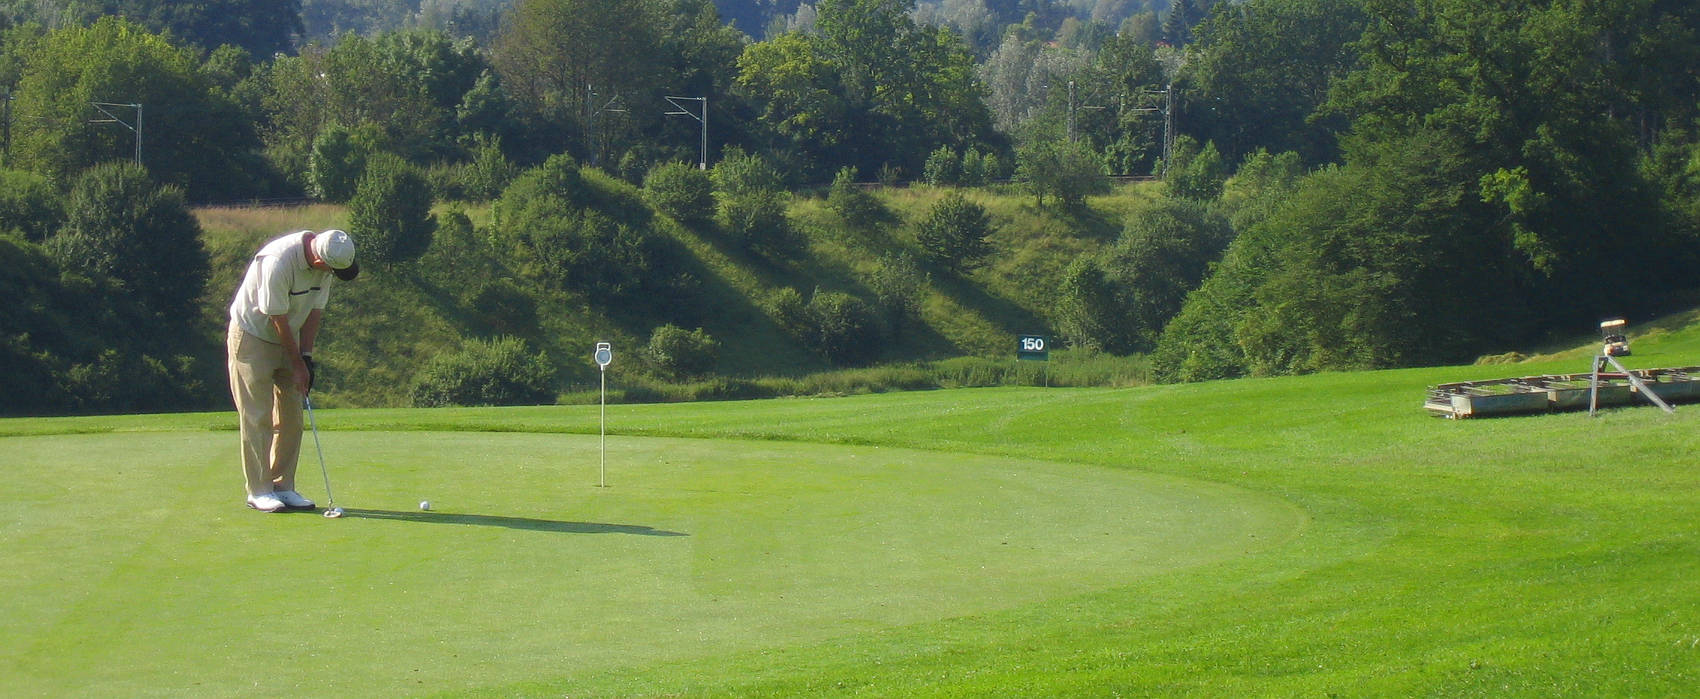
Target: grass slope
<point x="384" y="327"/>
<point x="1397" y="553"/>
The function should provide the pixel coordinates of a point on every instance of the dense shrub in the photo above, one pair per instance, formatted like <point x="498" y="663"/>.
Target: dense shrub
<point x="974" y="168"/>
<point x="739" y="172"/>
<point x="788" y="310"/>
<point x="548" y="189"/>
<point x="1197" y="172"/>
<point x="846" y="329"/>
<point x="855" y="205"/>
<point x="680" y="191"/>
<point x="756" y="221"/>
<point x="390" y="215"/>
<point x="1066" y="172"/>
<point x="76" y="343"/>
<point x="899" y="285"/>
<point x="120" y="225"/>
<point x="447" y="180"/>
<point x="943" y="167"/>
<point x="682" y="353"/>
<point x="953" y="236"/>
<point x="588" y="233"/>
<point x="489" y="172"/>
<point x="486" y="372"/>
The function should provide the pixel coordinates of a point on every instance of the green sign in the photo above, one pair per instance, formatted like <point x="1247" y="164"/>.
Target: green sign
<point x="1034" y="347"/>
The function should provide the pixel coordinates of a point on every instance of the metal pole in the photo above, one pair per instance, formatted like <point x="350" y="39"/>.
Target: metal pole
<point x="113" y="119"/>
<point x="702" y="162"/>
<point x="1071" y="136"/>
<point x="6" y="131"/>
<point x="1635" y="381"/>
<point x="1168" y="127"/>
<point x="603" y="483"/>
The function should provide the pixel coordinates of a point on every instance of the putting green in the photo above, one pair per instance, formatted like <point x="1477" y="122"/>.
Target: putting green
<point x="132" y="568"/>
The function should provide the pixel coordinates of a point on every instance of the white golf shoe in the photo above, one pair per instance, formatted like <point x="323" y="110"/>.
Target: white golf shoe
<point x="265" y="503"/>
<point x="293" y="500"/>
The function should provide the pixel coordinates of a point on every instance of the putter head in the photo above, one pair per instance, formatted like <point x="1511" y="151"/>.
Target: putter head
<point x="334" y="512"/>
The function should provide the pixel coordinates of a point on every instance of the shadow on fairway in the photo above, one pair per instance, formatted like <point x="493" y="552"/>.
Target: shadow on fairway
<point x="528" y="524"/>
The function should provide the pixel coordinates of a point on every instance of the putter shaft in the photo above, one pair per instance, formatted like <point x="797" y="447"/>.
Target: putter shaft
<point x="308" y="401"/>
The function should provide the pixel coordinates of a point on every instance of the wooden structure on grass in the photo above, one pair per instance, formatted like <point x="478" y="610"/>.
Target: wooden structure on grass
<point x="1587" y="391"/>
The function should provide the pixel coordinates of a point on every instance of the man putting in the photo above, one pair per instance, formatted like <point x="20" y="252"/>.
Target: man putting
<point x="273" y="322"/>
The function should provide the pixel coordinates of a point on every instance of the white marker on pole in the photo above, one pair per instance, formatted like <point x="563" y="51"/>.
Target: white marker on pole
<point x="604" y="357"/>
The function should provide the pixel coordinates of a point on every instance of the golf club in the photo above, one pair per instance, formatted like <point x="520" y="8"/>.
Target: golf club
<point x="333" y="511"/>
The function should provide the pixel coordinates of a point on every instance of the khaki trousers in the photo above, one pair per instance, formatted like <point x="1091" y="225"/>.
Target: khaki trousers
<point x="263" y="386"/>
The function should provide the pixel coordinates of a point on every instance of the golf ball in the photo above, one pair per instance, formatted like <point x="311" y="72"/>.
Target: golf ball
<point x="425" y="505"/>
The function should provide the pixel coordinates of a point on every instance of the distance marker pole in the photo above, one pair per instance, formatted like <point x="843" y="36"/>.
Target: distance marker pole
<point x="604" y="357"/>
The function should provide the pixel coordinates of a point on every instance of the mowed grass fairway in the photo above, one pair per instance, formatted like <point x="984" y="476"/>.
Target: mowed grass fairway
<point x="1311" y="535"/>
<point x="524" y="568"/>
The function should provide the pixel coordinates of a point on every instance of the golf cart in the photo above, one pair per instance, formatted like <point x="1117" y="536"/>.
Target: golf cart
<point x="1611" y="334"/>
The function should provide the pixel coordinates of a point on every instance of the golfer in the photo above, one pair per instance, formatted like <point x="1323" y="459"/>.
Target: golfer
<point x="273" y="322"/>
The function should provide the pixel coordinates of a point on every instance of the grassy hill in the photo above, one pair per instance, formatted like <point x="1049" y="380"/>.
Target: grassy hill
<point x="383" y="327"/>
<point x="1315" y="535"/>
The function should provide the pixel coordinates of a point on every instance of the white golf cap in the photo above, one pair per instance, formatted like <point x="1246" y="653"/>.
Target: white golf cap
<point x="336" y="248"/>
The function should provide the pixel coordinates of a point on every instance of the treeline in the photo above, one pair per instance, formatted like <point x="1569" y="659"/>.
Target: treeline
<point x="1349" y="183"/>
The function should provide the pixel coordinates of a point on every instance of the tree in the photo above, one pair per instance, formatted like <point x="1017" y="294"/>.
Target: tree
<point x="1264" y="81"/>
<point x="1067" y="172"/>
<point x="893" y="90"/>
<point x="1126" y="84"/>
<point x="339" y="156"/>
<point x="801" y="97"/>
<point x="29" y="204"/>
<point x="1534" y="113"/>
<point x="403" y="87"/>
<point x="327" y="19"/>
<point x="953" y="236"/>
<point x="1012" y="77"/>
<point x="564" y="61"/>
<point x="899" y="286"/>
<point x="1261" y="184"/>
<point x="122" y="226"/>
<point x="1121" y="299"/>
<point x="191" y="136"/>
<point x="1085" y="302"/>
<point x="390" y="213"/>
<point x="41" y="328"/>
<point x="260" y="27"/>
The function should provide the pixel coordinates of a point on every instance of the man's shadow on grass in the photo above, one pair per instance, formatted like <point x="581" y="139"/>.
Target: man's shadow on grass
<point x="525" y="523"/>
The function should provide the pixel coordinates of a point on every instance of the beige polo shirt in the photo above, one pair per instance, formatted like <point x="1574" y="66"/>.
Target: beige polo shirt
<point x="280" y="282"/>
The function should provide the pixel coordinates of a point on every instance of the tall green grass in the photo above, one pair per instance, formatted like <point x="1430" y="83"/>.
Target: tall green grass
<point x="1066" y="369"/>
